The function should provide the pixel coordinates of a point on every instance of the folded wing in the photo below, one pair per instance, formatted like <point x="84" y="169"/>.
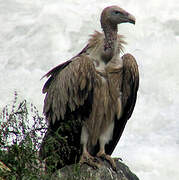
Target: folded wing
<point x="130" y="84"/>
<point x="68" y="102"/>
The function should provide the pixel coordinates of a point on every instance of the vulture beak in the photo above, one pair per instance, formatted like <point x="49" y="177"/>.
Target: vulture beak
<point x="130" y="18"/>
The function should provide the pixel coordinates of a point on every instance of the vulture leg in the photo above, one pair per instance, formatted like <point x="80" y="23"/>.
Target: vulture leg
<point x="101" y="154"/>
<point x="104" y="139"/>
<point x="86" y="157"/>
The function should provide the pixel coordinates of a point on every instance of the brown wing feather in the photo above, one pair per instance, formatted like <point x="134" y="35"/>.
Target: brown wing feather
<point x="52" y="73"/>
<point x="130" y="86"/>
<point x="69" y="87"/>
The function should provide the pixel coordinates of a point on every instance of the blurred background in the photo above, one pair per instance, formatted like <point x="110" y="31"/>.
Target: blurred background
<point x="37" y="35"/>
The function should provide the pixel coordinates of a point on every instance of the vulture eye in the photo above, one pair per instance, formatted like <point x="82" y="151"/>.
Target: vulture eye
<point x="117" y="13"/>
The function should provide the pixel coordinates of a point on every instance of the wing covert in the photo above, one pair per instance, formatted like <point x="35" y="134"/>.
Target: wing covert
<point x="69" y="88"/>
<point x="130" y="84"/>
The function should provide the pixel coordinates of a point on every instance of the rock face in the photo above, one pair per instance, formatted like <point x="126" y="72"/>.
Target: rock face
<point x="85" y="172"/>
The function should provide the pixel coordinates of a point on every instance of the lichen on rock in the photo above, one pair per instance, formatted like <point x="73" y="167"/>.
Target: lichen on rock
<point x="104" y="172"/>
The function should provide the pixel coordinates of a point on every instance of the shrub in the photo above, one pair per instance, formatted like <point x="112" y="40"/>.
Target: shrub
<point x="21" y="132"/>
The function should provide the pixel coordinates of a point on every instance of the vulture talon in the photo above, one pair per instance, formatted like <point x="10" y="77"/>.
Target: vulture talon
<point x="117" y="159"/>
<point x="108" y="158"/>
<point x="86" y="158"/>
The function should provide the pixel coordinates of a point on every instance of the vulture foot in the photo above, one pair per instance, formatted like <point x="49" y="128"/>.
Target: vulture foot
<point x="104" y="156"/>
<point x="86" y="158"/>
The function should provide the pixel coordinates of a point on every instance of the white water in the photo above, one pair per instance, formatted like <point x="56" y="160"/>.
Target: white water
<point x="37" y="35"/>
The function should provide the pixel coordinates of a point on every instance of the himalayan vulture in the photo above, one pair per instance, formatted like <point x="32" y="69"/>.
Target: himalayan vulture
<point x="90" y="97"/>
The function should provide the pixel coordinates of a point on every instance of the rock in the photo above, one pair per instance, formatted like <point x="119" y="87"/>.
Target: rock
<point x="85" y="172"/>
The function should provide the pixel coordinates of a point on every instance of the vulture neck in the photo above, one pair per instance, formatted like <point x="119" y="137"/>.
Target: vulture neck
<point x="110" y="41"/>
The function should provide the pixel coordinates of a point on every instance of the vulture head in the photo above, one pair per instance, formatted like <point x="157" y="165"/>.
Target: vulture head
<point x="114" y="15"/>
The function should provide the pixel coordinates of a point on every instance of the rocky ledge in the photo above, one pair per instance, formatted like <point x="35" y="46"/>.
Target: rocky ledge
<point x="85" y="172"/>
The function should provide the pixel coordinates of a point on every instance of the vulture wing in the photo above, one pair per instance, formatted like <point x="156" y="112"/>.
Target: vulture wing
<point x="68" y="102"/>
<point x="130" y="86"/>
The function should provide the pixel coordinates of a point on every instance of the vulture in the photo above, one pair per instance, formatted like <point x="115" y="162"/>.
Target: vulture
<point x="90" y="97"/>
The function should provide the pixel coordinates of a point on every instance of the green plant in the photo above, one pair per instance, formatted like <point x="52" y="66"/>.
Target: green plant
<point x="21" y="132"/>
